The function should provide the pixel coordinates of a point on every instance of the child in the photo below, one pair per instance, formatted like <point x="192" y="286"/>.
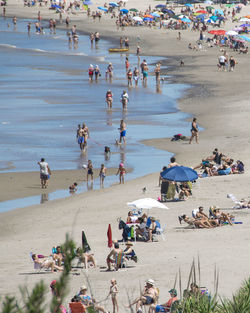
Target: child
<point x="113" y="293"/>
<point x="73" y="188"/>
<point x="102" y="174"/>
<point x="90" y="170"/>
<point x="121" y="171"/>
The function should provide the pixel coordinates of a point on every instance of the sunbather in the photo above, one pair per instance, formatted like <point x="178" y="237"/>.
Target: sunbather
<point x="46" y="263"/>
<point x="224" y="217"/>
<point x="57" y="255"/>
<point x="148" y="296"/>
<point x="194" y="222"/>
<point x="87" y="301"/>
<point x="112" y="255"/>
<point x="168" y="306"/>
<point x="132" y="218"/>
<point x="86" y="258"/>
<point x="129" y="252"/>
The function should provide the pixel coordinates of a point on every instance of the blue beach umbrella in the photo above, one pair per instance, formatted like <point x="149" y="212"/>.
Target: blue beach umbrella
<point x="245" y="25"/>
<point x="214" y="18"/>
<point x="179" y="174"/>
<point x="147" y="19"/>
<point x="155" y="14"/>
<point x="186" y="20"/>
<point x="218" y="12"/>
<point x="160" y="6"/>
<point x="188" y="5"/>
<point x="103" y="9"/>
<point x="245" y="38"/>
<point x="124" y="11"/>
<point x="113" y="4"/>
<point x="87" y="2"/>
<point x="201" y="16"/>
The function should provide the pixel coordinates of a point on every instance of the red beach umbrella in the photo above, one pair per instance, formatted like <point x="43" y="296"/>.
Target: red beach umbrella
<point x="218" y="32"/>
<point x="202" y="12"/>
<point x="109" y="234"/>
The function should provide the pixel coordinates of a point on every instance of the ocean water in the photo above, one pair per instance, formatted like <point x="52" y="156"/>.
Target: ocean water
<point x="45" y="93"/>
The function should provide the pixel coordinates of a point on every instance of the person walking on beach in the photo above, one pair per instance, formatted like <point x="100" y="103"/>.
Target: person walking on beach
<point x="91" y="72"/>
<point x="194" y="131"/>
<point x="232" y="64"/>
<point x="127" y="64"/>
<point x="109" y="72"/>
<point x="113" y="291"/>
<point x="121" y="171"/>
<point x="145" y="75"/>
<point x="157" y="72"/>
<point x="102" y="174"/>
<point x="97" y="73"/>
<point x="44" y="172"/>
<point x="122" y="129"/>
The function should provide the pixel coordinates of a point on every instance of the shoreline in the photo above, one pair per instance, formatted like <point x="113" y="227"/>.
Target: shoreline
<point x="220" y="102"/>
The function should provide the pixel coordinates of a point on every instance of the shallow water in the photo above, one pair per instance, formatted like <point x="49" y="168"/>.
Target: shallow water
<point x="45" y="94"/>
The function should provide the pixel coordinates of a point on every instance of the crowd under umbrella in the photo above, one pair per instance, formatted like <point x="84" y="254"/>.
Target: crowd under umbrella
<point x="179" y="174"/>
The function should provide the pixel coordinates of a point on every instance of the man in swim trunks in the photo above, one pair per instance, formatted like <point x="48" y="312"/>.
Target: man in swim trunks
<point x="80" y="137"/>
<point x="148" y="296"/>
<point x="122" y="131"/>
<point x="44" y="172"/>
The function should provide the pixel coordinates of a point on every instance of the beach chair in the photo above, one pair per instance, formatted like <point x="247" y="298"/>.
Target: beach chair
<point x="76" y="307"/>
<point x="37" y="267"/>
<point x="120" y="261"/>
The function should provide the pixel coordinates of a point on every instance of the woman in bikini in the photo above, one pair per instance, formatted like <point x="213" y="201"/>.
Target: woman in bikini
<point x="194" y="131"/>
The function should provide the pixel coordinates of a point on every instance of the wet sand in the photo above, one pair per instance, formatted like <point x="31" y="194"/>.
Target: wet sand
<point x="220" y="102"/>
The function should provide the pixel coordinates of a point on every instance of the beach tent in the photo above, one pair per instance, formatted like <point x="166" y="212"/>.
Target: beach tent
<point x="147" y="203"/>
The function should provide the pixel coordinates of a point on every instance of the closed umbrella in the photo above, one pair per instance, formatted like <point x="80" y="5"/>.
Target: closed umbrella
<point x="85" y="245"/>
<point x="109" y="234"/>
<point x="147" y="203"/>
<point x="179" y="174"/>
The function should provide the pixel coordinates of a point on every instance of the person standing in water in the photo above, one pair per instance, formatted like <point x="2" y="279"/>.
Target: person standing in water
<point x="90" y="170"/>
<point x="129" y="77"/>
<point x="121" y="171"/>
<point x="109" y="99"/>
<point x="124" y="100"/>
<point x="194" y="131"/>
<point x="122" y="132"/>
<point x="102" y="174"/>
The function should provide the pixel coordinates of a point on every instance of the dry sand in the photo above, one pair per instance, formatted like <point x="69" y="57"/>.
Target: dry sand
<point x="220" y="102"/>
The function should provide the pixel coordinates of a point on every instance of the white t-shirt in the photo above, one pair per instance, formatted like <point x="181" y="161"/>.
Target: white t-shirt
<point x="44" y="168"/>
<point x="222" y="59"/>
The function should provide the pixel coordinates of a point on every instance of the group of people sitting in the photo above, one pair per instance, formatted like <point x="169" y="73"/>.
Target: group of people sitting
<point x="53" y="262"/>
<point x="140" y="226"/>
<point x="219" y="164"/>
<point x="170" y="188"/>
<point x="200" y="219"/>
<point x="118" y="257"/>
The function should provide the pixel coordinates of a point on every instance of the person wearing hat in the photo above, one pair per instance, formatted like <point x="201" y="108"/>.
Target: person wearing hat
<point x="168" y="306"/>
<point x="87" y="301"/>
<point x="129" y="252"/>
<point x="148" y="297"/>
<point x="91" y="72"/>
<point x="121" y="171"/>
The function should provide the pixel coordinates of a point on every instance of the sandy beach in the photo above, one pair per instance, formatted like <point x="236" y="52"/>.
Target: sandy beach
<point x="219" y="100"/>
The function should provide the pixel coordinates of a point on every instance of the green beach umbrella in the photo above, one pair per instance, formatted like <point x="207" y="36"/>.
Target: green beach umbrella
<point x="210" y="8"/>
<point x="133" y="10"/>
<point x="229" y="5"/>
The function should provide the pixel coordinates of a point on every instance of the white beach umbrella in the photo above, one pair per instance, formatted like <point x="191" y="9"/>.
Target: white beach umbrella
<point x="208" y="2"/>
<point x="137" y="19"/>
<point x="231" y="33"/>
<point x="244" y="19"/>
<point x="147" y="203"/>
